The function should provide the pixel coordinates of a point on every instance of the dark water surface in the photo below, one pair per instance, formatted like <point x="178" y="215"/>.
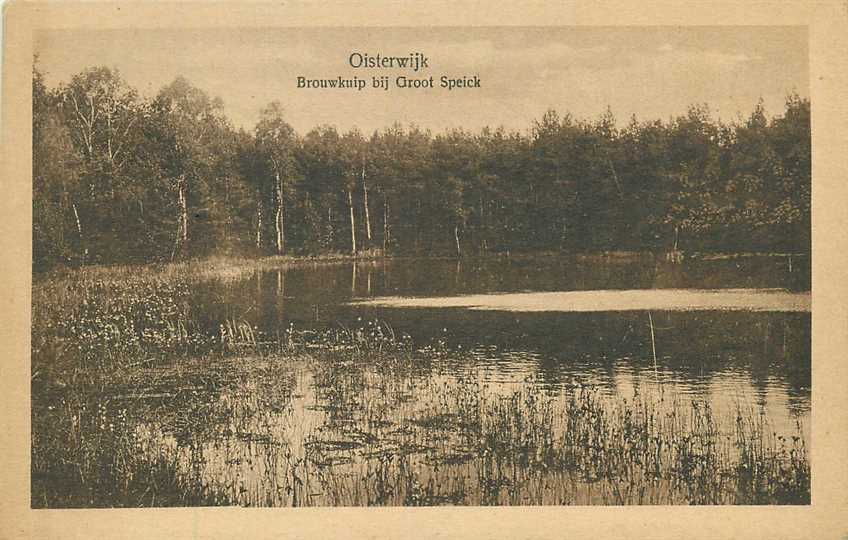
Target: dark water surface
<point x="763" y="357"/>
<point x="329" y="434"/>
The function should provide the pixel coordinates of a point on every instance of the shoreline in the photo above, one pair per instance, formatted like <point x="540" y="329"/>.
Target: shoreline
<point x="271" y="262"/>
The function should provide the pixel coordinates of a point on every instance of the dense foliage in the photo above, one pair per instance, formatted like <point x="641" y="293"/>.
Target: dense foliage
<point x="121" y="178"/>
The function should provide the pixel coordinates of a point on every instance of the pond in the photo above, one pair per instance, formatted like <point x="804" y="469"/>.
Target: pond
<point x="512" y="380"/>
<point x="590" y="322"/>
<point x="625" y="328"/>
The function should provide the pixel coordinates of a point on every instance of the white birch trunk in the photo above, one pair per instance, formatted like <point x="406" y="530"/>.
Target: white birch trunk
<point x="352" y="222"/>
<point x="83" y="249"/>
<point x="182" y="218"/>
<point x="259" y="225"/>
<point x="184" y="210"/>
<point x="385" y="225"/>
<point x="278" y="220"/>
<point x="367" y="212"/>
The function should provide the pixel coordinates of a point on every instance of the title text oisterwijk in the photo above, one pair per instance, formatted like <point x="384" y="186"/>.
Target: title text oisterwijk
<point x="413" y="65"/>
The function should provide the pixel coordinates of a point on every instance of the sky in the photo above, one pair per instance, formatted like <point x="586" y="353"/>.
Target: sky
<point x="649" y="72"/>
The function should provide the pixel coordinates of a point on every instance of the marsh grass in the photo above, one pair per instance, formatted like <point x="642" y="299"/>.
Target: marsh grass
<point x="134" y="404"/>
<point x="197" y="270"/>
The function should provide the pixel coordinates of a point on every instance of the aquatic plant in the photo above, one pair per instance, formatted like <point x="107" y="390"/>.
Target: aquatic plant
<point x="134" y="403"/>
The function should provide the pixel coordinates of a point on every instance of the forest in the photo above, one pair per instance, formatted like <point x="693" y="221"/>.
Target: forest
<point x="122" y="178"/>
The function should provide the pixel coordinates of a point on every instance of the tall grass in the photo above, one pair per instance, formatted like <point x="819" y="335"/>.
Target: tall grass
<point x="210" y="268"/>
<point x="134" y="404"/>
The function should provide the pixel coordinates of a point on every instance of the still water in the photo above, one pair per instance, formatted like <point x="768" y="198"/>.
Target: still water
<point x="757" y="360"/>
<point x="759" y="352"/>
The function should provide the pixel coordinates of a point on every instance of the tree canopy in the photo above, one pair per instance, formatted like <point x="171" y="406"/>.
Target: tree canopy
<point x="121" y="178"/>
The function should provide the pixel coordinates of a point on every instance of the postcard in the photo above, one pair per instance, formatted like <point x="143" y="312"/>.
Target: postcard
<point x="394" y="271"/>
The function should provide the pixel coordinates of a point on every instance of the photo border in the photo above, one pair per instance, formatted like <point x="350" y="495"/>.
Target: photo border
<point x="824" y="518"/>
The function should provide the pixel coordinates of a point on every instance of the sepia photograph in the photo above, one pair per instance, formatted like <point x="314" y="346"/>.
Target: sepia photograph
<point x="465" y="266"/>
<point x="383" y="270"/>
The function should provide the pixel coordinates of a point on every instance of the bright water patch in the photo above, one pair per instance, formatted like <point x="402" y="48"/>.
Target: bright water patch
<point x="612" y="300"/>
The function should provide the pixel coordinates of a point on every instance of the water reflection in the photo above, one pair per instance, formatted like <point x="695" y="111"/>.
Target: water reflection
<point x="437" y="431"/>
<point x="762" y="356"/>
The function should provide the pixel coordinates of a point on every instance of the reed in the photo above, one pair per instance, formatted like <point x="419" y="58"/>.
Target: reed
<point x="133" y="404"/>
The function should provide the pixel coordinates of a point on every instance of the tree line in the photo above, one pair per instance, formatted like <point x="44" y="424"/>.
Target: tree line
<point x="118" y="177"/>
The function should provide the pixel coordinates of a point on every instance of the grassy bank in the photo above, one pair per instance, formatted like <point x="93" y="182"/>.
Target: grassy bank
<point x="200" y="268"/>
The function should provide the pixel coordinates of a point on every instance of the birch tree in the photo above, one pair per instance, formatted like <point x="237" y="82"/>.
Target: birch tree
<point x="352" y="150"/>
<point x="102" y="114"/>
<point x="188" y="120"/>
<point x="277" y="145"/>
